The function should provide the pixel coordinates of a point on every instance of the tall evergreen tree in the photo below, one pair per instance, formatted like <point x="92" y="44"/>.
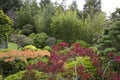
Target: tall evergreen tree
<point x="91" y="7"/>
<point x="6" y="5"/>
<point x="74" y="5"/>
<point x="116" y="14"/>
<point x="44" y="3"/>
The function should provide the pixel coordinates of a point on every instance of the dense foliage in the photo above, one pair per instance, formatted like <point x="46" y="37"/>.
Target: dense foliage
<point x="63" y="24"/>
<point x="5" y="26"/>
<point x="38" y="49"/>
<point x="77" y="63"/>
<point x="109" y="41"/>
<point x="14" y="60"/>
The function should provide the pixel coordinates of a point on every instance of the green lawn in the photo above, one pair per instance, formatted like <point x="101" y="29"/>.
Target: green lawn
<point x="12" y="45"/>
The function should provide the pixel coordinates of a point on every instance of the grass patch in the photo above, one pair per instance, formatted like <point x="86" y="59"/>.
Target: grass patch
<point x="12" y="45"/>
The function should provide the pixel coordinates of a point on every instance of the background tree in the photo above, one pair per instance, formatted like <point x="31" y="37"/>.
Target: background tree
<point x="44" y="3"/>
<point x="116" y="14"/>
<point x="43" y="18"/>
<point x="74" y="5"/>
<point x="26" y="14"/>
<point x="6" y="5"/>
<point x="9" y="7"/>
<point x="91" y="7"/>
<point x="68" y="28"/>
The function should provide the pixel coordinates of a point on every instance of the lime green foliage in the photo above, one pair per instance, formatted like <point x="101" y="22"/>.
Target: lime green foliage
<point x="17" y="76"/>
<point x="40" y="75"/>
<point x="30" y="47"/>
<point x="5" y="26"/>
<point x="47" y="48"/>
<point x="94" y="48"/>
<point x="81" y="61"/>
<point x="59" y="41"/>
<point x="64" y="51"/>
<point x="12" y="45"/>
<point x="83" y="43"/>
<point x="0" y="77"/>
<point x="38" y="59"/>
<point x="4" y="19"/>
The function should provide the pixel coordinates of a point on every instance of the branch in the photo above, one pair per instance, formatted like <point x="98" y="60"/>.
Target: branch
<point x="106" y="68"/>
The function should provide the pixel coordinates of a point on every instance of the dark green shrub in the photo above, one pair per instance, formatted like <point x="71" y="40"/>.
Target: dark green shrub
<point x="7" y="68"/>
<point x="39" y="40"/>
<point x="27" y="29"/>
<point x="110" y="40"/>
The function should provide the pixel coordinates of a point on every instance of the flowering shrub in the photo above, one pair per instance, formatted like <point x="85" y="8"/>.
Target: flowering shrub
<point x="78" y="63"/>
